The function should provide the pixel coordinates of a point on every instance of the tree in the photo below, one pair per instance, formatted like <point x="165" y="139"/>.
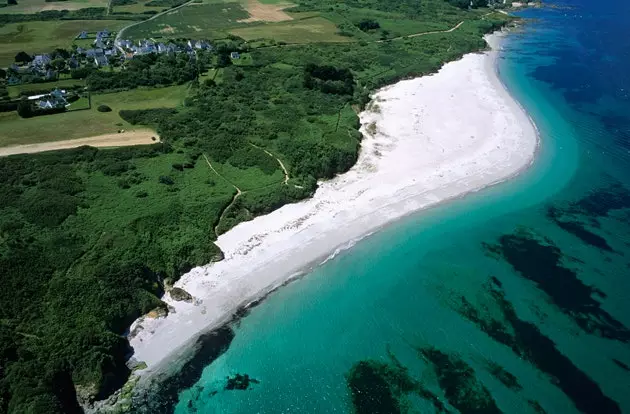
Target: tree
<point x="368" y="24"/>
<point x="24" y="109"/>
<point x="23" y="57"/>
<point x="3" y="73"/>
<point x="12" y="2"/>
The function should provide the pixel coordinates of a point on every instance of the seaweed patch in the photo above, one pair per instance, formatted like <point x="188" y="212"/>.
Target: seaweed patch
<point x="504" y="376"/>
<point x="381" y="388"/>
<point x="539" y="260"/>
<point x="600" y="202"/>
<point x="536" y="407"/>
<point x="578" y="230"/>
<point x="240" y="382"/>
<point x="529" y="343"/>
<point x="460" y="385"/>
<point x="621" y="365"/>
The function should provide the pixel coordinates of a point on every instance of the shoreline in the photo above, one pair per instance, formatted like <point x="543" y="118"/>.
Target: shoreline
<point x="419" y="149"/>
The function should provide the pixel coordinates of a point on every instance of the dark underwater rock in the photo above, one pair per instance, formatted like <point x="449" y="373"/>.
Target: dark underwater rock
<point x="240" y="382"/>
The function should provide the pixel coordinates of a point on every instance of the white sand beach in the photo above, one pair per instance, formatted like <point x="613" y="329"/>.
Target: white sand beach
<point x="426" y="140"/>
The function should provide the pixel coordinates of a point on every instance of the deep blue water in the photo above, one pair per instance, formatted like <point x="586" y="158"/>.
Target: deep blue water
<point x="514" y="299"/>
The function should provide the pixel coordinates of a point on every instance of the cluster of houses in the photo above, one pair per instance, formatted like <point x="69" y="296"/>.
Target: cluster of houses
<point x="104" y="51"/>
<point x="37" y="69"/>
<point x="143" y="47"/>
<point x="104" y="48"/>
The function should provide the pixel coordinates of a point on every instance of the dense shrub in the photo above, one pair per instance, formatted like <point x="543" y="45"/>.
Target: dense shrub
<point x="104" y="108"/>
<point x="368" y="24"/>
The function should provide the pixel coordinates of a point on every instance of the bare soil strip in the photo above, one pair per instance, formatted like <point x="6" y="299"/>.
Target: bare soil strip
<point x="266" y="12"/>
<point x="122" y="139"/>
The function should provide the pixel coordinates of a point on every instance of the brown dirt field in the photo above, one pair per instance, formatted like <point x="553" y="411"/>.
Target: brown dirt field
<point x="265" y="12"/>
<point x="123" y="139"/>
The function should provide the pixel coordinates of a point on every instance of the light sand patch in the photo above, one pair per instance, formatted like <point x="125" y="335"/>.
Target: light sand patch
<point x="168" y="30"/>
<point x="123" y="139"/>
<point x="266" y="12"/>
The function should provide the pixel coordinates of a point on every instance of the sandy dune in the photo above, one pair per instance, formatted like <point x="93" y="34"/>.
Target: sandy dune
<point x="124" y="139"/>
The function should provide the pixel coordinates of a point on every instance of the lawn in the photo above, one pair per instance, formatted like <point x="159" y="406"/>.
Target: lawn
<point x="85" y="123"/>
<point x="35" y="6"/>
<point x="198" y="21"/>
<point x="43" y="37"/>
<point x="309" y="30"/>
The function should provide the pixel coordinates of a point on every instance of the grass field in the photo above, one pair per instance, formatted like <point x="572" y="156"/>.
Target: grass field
<point x="43" y="37"/>
<point x="137" y="8"/>
<point x="309" y="30"/>
<point x="78" y="124"/>
<point x="35" y="6"/>
<point x="200" y="21"/>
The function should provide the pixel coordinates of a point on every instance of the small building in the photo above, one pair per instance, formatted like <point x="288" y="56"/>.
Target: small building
<point x="99" y="44"/>
<point x="73" y="63"/>
<point x="41" y="60"/>
<point x="104" y="34"/>
<point x="161" y="48"/>
<point x="235" y="55"/>
<point x="50" y="75"/>
<point x="101" y="61"/>
<point x="82" y="35"/>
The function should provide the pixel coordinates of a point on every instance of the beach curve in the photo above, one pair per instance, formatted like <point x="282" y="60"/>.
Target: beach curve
<point x="426" y="140"/>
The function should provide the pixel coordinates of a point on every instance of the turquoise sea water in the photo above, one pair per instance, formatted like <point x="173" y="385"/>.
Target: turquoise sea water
<point x="513" y="299"/>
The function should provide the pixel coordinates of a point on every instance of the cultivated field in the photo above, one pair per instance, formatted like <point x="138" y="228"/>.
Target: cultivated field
<point x="199" y="21"/>
<point x="312" y="29"/>
<point x="87" y="123"/>
<point x="35" y="6"/>
<point x="43" y="37"/>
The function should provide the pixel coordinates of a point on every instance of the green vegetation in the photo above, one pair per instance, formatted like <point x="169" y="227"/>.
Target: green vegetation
<point x="147" y="70"/>
<point x="89" y="237"/>
<point x="45" y="36"/>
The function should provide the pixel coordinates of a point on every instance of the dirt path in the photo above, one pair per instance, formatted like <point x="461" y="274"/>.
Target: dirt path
<point x="123" y="139"/>
<point x="236" y="196"/>
<point x="286" y="173"/>
<point x="423" y="33"/>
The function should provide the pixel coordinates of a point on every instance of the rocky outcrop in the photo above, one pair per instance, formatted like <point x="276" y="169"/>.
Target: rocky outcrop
<point x="179" y="295"/>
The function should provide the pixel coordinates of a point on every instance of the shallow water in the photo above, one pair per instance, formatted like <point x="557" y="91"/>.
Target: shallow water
<point x="513" y="299"/>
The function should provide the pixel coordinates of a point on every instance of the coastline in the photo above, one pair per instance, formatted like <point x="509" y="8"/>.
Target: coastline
<point x="434" y="138"/>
